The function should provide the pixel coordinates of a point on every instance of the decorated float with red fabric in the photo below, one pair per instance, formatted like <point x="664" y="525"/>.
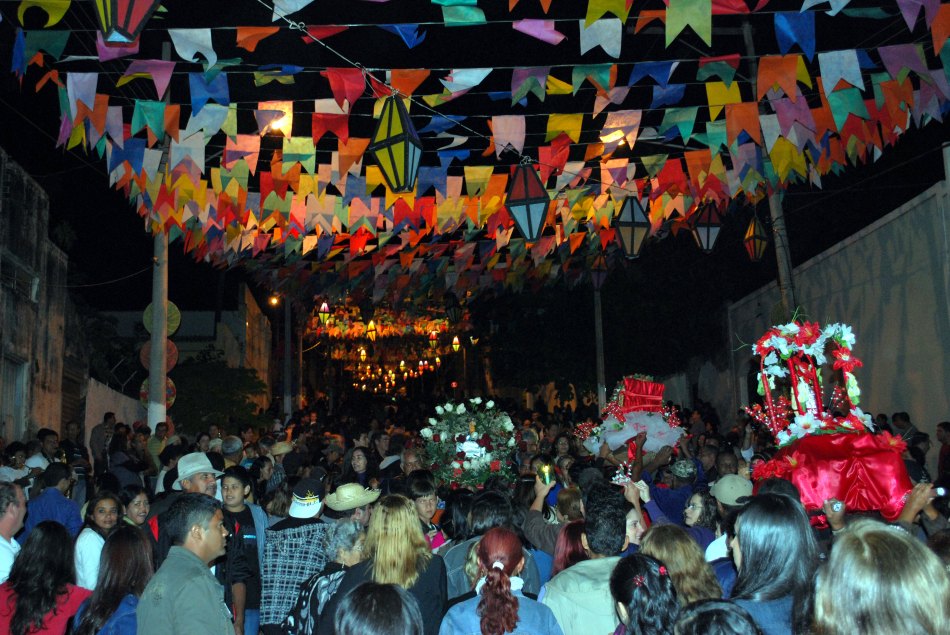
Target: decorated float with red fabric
<point x="636" y="406"/>
<point x="828" y="451"/>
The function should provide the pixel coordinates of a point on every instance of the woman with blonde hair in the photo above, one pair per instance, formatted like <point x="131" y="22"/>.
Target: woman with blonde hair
<point x="691" y="574"/>
<point x="881" y="580"/>
<point x="396" y="552"/>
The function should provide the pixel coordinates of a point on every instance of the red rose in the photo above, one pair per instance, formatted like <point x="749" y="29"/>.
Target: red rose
<point x="436" y="438"/>
<point x="457" y="472"/>
<point x="494" y="466"/>
<point x="460" y="438"/>
<point x="460" y="456"/>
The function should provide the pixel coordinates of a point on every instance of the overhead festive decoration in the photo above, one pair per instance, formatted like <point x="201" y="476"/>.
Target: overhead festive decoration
<point x="122" y="21"/>
<point x="246" y="145"/>
<point x="633" y="227"/>
<point x="528" y="201"/>
<point x="396" y="146"/>
<point x="755" y="240"/>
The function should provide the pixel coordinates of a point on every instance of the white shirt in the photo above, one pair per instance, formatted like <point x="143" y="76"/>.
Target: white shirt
<point x="9" y="475"/>
<point x="38" y="460"/>
<point x="89" y="546"/>
<point x="8" y="551"/>
<point x="717" y="549"/>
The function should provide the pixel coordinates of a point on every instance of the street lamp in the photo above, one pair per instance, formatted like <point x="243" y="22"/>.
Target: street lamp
<point x="362" y="354"/>
<point x="371" y="331"/>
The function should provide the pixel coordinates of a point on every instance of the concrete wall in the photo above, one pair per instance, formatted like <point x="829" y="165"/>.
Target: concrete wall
<point x="891" y="283"/>
<point x="32" y="307"/>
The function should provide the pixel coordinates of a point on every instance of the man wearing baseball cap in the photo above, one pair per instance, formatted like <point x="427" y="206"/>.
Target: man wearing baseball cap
<point x="293" y="551"/>
<point x="731" y="493"/>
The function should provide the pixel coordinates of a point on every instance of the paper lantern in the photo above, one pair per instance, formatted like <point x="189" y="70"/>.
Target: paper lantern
<point x="122" y="21"/>
<point x="371" y="331"/>
<point x="706" y="224"/>
<point x="324" y="313"/>
<point x="396" y="146"/>
<point x="756" y="240"/>
<point x="362" y="354"/>
<point x="633" y="227"/>
<point x="438" y="362"/>
<point x="528" y="201"/>
<point x="456" y="344"/>
<point x="433" y="339"/>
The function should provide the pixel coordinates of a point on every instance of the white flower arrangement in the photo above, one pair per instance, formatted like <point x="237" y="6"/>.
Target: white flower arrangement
<point x="469" y="443"/>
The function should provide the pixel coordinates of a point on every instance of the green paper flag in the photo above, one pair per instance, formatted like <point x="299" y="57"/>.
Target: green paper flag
<point x="683" y="119"/>
<point x="149" y="114"/>
<point x="696" y="14"/>
<point x="598" y="74"/>
<point x="654" y="163"/>
<point x="462" y="16"/>
<point x="846" y="102"/>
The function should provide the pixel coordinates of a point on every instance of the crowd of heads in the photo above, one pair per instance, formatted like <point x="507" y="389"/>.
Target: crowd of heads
<point x="372" y="480"/>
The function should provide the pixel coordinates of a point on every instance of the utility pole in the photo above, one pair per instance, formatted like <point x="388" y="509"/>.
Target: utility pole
<point x="157" y="369"/>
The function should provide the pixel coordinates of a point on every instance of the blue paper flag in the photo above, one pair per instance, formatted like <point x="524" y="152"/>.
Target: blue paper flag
<point x="133" y="152"/>
<point x="668" y="95"/>
<point x="447" y="156"/>
<point x="18" y="63"/>
<point x="202" y="92"/>
<point x="441" y="123"/>
<point x="410" y="34"/>
<point x="659" y="71"/>
<point x="796" y="28"/>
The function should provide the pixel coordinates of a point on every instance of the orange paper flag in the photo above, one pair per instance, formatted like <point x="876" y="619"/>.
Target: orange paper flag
<point x="248" y="37"/>
<point x="940" y="27"/>
<point x="351" y="152"/>
<point x="743" y="117"/>
<point x="407" y="80"/>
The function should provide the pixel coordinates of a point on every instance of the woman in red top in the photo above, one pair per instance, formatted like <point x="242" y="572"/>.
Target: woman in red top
<point x="40" y="596"/>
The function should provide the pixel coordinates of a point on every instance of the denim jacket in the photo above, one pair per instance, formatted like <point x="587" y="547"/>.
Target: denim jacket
<point x="122" y="622"/>
<point x="533" y="618"/>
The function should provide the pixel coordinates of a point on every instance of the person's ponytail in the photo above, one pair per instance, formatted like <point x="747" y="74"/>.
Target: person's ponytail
<point x="499" y="553"/>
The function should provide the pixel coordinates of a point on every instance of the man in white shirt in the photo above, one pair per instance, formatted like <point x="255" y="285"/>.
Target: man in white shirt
<point x="13" y="506"/>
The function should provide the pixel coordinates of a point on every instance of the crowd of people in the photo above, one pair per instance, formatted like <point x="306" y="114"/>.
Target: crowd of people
<point x="337" y="524"/>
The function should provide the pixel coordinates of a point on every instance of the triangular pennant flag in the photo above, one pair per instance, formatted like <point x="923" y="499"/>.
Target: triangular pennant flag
<point x="696" y="14"/>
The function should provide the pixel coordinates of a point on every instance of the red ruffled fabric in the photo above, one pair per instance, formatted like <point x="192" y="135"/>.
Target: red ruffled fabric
<point x="641" y="395"/>
<point x="863" y="470"/>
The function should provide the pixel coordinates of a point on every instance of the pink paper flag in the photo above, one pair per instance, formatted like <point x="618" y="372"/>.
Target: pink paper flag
<point x="508" y="130"/>
<point x="112" y="51"/>
<point x="543" y="30"/>
<point x="160" y="71"/>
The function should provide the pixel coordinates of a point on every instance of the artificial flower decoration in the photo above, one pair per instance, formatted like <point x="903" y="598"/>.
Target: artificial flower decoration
<point x="469" y="442"/>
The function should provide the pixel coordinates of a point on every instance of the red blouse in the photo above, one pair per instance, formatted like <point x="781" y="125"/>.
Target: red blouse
<point x="56" y="621"/>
